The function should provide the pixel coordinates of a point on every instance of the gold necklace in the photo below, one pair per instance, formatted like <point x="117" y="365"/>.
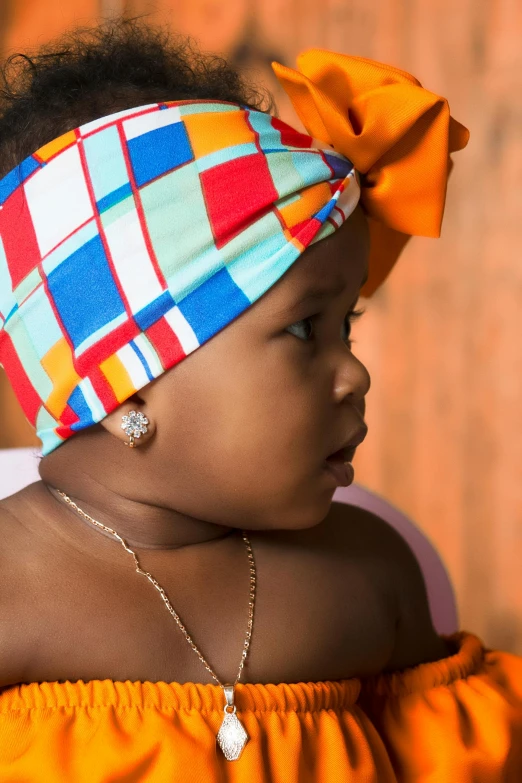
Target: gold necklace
<point x="232" y="736"/>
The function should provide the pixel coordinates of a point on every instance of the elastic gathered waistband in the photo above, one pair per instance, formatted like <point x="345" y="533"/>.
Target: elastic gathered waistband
<point x="469" y="658"/>
<point x="300" y="697"/>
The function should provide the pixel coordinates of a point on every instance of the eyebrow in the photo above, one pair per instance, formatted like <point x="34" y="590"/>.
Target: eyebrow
<point x="315" y="294"/>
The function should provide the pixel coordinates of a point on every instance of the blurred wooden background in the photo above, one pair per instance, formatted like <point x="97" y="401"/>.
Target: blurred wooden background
<point x="442" y="338"/>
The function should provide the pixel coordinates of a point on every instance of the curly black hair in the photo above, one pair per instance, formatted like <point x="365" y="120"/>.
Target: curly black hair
<point x="93" y="71"/>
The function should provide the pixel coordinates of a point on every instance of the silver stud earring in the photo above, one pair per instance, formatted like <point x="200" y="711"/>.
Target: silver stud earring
<point x="134" y="423"/>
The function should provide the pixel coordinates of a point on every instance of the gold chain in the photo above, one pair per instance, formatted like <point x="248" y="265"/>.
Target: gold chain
<point x="164" y="595"/>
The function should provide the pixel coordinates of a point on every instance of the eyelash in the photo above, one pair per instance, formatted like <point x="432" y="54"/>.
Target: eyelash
<point x="352" y="316"/>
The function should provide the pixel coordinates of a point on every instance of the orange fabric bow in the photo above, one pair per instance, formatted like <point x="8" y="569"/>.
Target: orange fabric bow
<point x="398" y="135"/>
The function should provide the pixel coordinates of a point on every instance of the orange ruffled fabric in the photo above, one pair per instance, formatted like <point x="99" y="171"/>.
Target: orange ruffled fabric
<point x="458" y="720"/>
<point x="397" y="134"/>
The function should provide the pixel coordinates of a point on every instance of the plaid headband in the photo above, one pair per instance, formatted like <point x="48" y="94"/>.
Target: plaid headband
<point x="128" y="242"/>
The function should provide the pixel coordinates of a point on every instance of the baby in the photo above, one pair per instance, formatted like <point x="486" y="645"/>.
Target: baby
<point x="152" y="205"/>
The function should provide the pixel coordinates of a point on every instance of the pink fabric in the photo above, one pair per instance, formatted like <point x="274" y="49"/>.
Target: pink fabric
<point x="18" y="468"/>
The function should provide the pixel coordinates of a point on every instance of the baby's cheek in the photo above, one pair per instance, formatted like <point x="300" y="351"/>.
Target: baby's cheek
<point x="268" y="411"/>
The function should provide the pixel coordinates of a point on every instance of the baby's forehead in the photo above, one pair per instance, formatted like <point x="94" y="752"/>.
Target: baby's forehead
<point x="312" y="287"/>
<point x="338" y="262"/>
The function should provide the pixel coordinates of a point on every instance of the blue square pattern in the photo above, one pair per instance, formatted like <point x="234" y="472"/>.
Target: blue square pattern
<point x="79" y="405"/>
<point x="113" y="198"/>
<point x="324" y="213"/>
<point x="16" y="177"/>
<point x="159" y="151"/>
<point x="341" y="168"/>
<point x="84" y="291"/>
<point x="213" y="305"/>
<point x="152" y="312"/>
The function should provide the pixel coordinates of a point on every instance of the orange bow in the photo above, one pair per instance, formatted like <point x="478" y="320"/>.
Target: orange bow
<point x="398" y="135"/>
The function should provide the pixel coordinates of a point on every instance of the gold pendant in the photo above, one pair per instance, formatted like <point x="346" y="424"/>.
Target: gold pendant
<point x="232" y="736"/>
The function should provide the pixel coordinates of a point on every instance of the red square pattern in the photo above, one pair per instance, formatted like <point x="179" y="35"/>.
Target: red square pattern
<point x="18" y="237"/>
<point x="166" y="343"/>
<point x="291" y="137"/>
<point x="306" y="230"/>
<point x="237" y="193"/>
<point x="103" y="389"/>
<point x="67" y="418"/>
<point x="106" y="346"/>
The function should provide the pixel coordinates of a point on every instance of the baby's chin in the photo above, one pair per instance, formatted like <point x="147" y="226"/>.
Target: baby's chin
<point x="297" y="517"/>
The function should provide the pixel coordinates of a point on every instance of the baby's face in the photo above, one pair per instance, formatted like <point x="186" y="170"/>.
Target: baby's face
<point x="244" y="424"/>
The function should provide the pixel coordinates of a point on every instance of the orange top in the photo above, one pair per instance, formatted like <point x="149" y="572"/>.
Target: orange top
<point x="458" y="719"/>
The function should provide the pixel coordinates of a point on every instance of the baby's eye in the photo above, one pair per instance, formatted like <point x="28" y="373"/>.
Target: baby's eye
<point x="352" y="316"/>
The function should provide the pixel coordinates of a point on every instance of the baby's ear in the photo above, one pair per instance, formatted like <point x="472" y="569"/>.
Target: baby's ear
<point x="116" y="424"/>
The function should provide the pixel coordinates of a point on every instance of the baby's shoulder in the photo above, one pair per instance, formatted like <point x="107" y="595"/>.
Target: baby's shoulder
<point x="367" y="558"/>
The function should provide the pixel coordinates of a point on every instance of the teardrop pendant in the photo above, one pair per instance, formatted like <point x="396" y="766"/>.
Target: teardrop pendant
<point x="232" y="736"/>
